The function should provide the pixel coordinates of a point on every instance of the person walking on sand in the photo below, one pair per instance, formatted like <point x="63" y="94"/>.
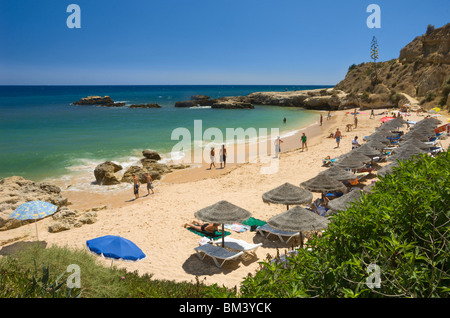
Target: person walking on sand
<point x="149" y="183"/>
<point x="372" y="114"/>
<point x="278" y="142"/>
<point x="304" y="144"/>
<point x="136" y="186"/>
<point x="223" y="156"/>
<point x="329" y="115"/>
<point x="321" y="119"/>
<point x="212" y="156"/>
<point x="338" y="136"/>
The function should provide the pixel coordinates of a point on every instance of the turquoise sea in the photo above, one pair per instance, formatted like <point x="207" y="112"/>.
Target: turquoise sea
<point x="42" y="135"/>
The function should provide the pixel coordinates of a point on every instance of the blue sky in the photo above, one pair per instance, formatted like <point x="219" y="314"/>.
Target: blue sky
<point x="202" y="42"/>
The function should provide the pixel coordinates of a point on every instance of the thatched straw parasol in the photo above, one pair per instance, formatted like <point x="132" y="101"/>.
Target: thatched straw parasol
<point x="323" y="183"/>
<point x="369" y="188"/>
<point x="298" y="219"/>
<point x="407" y="148"/>
<point x="356" y="155"/>
<point x="349" y="163"/>
<point x="403" y="155"/>
<point x="222" y="212"/>
<point x="416" y="135"/>
<point x="343" y="202"/>
<point x="387" y="169"/>
<point x="288" y="194"/>
<point x="376" y="144"/>
<point x="338" y="173"/>
<point x="367" y="150"/>
<point x="431" y="120"/>
<point x="415" y="142"/>
<point x="378" y="138"/>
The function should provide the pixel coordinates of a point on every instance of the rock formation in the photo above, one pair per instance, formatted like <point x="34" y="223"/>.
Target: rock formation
<point x="422" y="71"/>
<point x="65" y="219"/>
<point x="232" y="102"/>
<point x="98" y="101"/>
<point x="145" y="106"/>
<point x="17" y="190"/>
<point x="150" y="154"/>
<point x="105" y="173"/>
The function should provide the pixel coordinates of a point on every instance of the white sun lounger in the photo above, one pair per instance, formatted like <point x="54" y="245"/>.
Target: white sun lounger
<point x="238" y="245"/>
<point x="216" y="253"/>
<point x="266" y="228"/>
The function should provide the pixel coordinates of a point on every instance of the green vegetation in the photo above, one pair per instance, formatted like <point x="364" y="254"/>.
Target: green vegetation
<point x="402" y="227"/>
<point x="21" y="276"/>
<point x="374" y="56"/>
<point x="444" y="93"/>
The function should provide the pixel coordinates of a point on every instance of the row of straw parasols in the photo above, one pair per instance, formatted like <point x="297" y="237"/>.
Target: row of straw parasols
<point x="299" y="219"/>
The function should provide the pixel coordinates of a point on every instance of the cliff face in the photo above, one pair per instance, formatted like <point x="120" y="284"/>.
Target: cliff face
<point x="421" y="71"/>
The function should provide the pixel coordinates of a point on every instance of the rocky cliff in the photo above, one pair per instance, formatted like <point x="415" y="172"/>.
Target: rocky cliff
<point x="422" y="71"/>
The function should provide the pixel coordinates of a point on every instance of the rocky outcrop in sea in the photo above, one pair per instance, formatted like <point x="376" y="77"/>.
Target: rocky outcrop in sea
<point x="107" y="173"/>
<point x="98" y="101"/>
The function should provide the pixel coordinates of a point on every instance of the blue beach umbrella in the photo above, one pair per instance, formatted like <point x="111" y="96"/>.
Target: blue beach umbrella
<point x="115" y="247"/>
<point x="34" y="210"/>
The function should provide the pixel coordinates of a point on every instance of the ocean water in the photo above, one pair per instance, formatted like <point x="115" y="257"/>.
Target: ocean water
<point x="44" y="136"/>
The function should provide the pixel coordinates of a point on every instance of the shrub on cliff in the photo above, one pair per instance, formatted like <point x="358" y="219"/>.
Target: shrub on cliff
<point x="401" y="228"/>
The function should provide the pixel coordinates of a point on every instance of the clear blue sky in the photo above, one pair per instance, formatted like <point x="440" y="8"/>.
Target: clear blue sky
<point x="202" y="41"/>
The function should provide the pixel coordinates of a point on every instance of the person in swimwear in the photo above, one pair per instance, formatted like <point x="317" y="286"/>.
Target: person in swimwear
<point x="212" y="157"/>
<point x="205" y="227"/>
<point x="136" y="186"/>
<point x="149" y="184"/>
<point x="223" y="156"/>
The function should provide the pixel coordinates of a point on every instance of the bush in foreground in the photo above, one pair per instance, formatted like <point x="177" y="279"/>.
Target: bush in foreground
<point x="42" y="272"/>
<point x="399" y="233"/>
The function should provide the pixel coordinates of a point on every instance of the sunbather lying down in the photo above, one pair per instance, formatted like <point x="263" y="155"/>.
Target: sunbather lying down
<point x="328" y="160"/>
<point x="203" y="227"/>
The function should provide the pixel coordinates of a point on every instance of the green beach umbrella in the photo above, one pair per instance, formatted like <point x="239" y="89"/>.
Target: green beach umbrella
<point x="34" y="210"/>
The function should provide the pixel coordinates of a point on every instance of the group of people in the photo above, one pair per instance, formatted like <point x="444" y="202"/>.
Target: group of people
<point x="137" y="185"/>
<point x="222" y="157"/>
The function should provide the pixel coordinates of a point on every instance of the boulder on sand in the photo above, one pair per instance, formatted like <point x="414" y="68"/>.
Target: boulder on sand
<point x="17" y="190"/>
<point x="105" y="173"/>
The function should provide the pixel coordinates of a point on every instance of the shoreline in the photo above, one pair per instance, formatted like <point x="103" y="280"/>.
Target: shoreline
<point x="155" y="222"/>
<point x="197" y="172"/>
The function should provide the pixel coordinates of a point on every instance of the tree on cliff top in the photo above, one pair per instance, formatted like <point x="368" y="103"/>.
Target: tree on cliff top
<point x="374" y="57"/>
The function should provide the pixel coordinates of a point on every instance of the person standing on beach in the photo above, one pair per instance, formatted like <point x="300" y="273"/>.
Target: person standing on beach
<point x="136" y="186"/>
<point x="278" y="142"/>
<point x="356" y="122"/>
<point x="304" y="142"/>
<point x="338" y="136"/>
<point x="372" y="114"/>
<point x="223" y="156"/>
<point x="212" y="156"/>
<point x="149" y="184"/>
<point x="321" y="119"/>
<point x="329" y="115"/>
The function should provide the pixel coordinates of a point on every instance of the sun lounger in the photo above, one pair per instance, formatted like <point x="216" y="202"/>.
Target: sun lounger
<point x="218" y="254"/>
<point x="270" y="230"/>
<point x="238" y="245"/>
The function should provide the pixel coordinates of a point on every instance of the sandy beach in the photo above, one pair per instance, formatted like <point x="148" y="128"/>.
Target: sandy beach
<point x="155" y="222"/>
